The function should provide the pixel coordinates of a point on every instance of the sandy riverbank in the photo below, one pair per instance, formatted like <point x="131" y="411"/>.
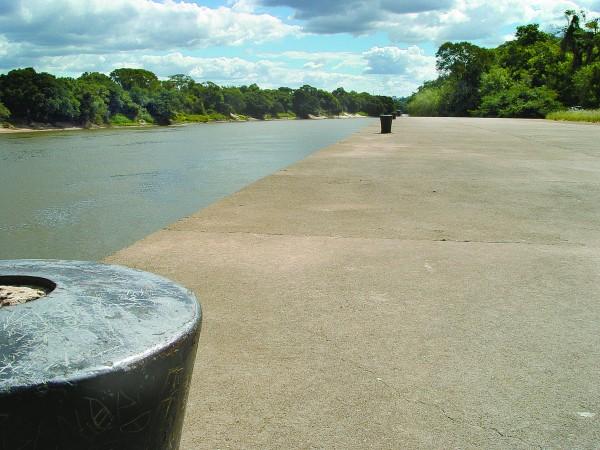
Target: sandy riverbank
<point x="36" y="129"/>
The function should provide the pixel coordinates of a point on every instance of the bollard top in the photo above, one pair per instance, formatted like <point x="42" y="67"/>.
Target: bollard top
<point x="94" y="318"/>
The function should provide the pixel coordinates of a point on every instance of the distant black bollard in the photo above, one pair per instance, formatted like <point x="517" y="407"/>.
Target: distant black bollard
<point x="102" y="361"/>
<point x="394" y="116"/>
<point x="386" y="123"/>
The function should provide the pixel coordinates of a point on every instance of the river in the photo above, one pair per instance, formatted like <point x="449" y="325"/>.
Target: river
<point x="85" y="194"/>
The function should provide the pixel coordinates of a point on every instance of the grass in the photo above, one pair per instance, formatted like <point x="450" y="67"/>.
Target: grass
<point x="582" y="115"/>
<point x="121" y="120"/>
<point x="199" y="118"/>
<point x="283" y="115"/>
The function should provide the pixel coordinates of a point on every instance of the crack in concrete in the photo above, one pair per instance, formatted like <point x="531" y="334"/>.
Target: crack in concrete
<point x="439" y="408"/>
<point x="459" y="241"/>
<point x="520" y="137"/>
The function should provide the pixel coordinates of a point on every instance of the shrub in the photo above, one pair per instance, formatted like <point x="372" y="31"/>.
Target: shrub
<point x="122" y="120"/>
<point x="586" y="84"/>
<point x="4" y="113"/>
<point x="519" y="100"/>
<point x="426" y="103"/>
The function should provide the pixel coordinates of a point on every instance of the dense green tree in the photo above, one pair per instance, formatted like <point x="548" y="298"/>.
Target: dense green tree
<point x="306" y="101"/>
<point x="38" y="97"/>
<point x="427" y="101"/>
<point x="4" y="112"/>
<point x="180" y="82"/>
<point x="233" y="97"/>
<point x="138" y="94"/>
<point x="119" y="101"/>
<point x="129" y="78"/>
<point x="520" y="100"/>
<point x="164" y="106"/>
<point x="329" y="103"/>
<point x="258" y="103"/>
<point x="93" y="103"/>
<point x="462" y="65"/>
<point x="529" y="76"/>
<point x="586" y="85"/>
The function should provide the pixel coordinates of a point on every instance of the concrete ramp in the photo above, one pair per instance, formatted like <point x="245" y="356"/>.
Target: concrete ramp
<point x="438" y="287"/>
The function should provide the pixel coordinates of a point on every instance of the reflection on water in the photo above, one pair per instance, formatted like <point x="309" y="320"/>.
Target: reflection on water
<point x="83" y="195"/>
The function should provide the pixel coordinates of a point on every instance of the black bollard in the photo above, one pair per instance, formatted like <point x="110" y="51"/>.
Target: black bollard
<point x="386" y="123"/>
<point x="102" y="361"/>
<point x="394" y="116"/>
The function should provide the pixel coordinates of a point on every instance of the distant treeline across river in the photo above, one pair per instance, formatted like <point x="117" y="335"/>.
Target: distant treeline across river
<point x="133" y="96"/>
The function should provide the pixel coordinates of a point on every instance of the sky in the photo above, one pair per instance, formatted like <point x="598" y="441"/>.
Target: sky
<point x="384" y="47"/>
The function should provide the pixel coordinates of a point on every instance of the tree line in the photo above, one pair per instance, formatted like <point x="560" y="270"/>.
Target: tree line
<point x="128" y="96"/>
<point x="530" y="76"/>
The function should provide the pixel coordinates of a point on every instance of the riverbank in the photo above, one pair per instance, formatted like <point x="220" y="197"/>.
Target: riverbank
<point x="434" y="287"/>
<point x="71" y="127"/>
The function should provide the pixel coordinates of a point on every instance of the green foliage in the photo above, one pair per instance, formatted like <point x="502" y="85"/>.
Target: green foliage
<point x="306" y="101"/>
<point x="530" y="76"/>
<point x="258" y="103"/>
<point x="129" y="79"/>
<point x="426" y="103"/>
<point x="286" y="115"/>
<point x="38" y="97"/>
<point x="520" y="100"/>
<point x="586" y="85"/>
<point x="583" y="115"/>
<point x="461" y="66"/>
<point x="133" y="96"/>
<point x="122" y="120"/>
<point x="4" y="112"/>
<point x="164" y="106"/>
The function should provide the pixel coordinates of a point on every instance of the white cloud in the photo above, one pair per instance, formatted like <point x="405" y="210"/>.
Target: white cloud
<point x="354" y="16"/>
<point x="430" y="20"/>
<point x="313" y="65"/>
<point x="411" y="62"/>
<point x="97" y="26"/>
<point x="3" y="45"/>
<point x="235" y="71"/>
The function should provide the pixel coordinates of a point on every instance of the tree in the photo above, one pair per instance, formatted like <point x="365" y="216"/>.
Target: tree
<point x="257" y="103"/>
<point x="461" y="65"/>
<point x="119" y="101"/>
<point x="4" y="113"/>
<point x="135" y="78"/>
<point x="520" y="100"/>
<point x="180" y="82"/>
<point x="93" y="103"/>
<point x="427" y="101"/>
<point x="38" y="97"/>
<point x="164" y="106"/>
<point x="574" y="38"/>
<point x="233" y="97"/>
<point x="329" y="103"/>
<point x="586" y="84"/>
<point x="305" y="101"/>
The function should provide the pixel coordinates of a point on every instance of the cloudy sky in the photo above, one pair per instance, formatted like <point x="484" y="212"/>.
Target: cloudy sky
<point x="378" y="46"/>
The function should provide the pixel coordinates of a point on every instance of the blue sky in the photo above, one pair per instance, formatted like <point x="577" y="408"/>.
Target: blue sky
<point x="378" y="46"/>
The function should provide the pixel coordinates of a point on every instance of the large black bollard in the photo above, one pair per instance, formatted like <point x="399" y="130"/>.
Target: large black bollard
<point x="386" y="123"/>
<point x="103" y="361"/>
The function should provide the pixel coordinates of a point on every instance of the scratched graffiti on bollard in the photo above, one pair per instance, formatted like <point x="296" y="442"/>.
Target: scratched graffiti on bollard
<point x="103" y="361"/>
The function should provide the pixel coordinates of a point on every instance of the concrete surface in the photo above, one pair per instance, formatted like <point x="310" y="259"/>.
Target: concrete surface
<point x="432" y="288"/>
